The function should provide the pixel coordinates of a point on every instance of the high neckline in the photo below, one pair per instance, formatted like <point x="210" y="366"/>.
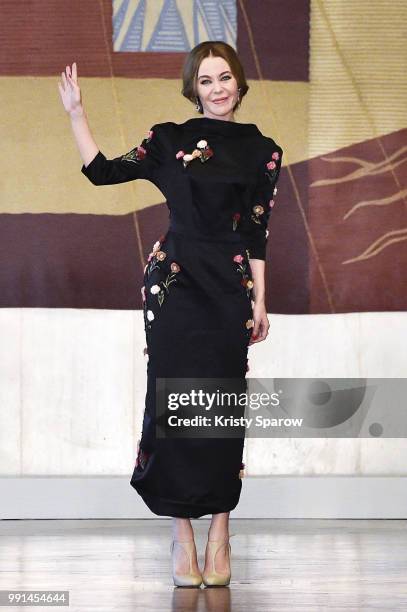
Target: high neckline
<point x="222" y="126"/>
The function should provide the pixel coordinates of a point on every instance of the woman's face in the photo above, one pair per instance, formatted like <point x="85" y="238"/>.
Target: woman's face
<point x="216" y="82"/>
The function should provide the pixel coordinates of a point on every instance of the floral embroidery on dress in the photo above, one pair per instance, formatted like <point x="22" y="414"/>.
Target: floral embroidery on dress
<point x="272" y="167"/>
<point x="249" y="324"/>
<point x="165" y="283"/>
<point x="203" y="152"/>
<point x="137" y="154"/>
<point x="141" y="457"/>
<point x="235" y="219"/>
<point x="162" y="288"/>
<point x="258" y="210"/>
<point x="242" y="268"/>
<point x="259" y="215"/>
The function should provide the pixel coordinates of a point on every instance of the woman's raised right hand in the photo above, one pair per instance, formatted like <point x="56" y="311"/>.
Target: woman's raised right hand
<point x="70" y="91"/>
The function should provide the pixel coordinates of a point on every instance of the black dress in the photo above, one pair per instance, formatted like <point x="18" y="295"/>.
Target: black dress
<point x="197" y="291"/>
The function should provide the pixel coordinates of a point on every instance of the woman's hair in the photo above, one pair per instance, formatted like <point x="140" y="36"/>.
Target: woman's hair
<point x="193" y="60"/>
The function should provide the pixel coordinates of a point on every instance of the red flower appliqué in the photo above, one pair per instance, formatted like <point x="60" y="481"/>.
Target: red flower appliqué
<point x="137" y="154"/>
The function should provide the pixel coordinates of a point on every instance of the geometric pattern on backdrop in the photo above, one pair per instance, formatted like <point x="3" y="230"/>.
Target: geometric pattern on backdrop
<point x="172" y="25"/>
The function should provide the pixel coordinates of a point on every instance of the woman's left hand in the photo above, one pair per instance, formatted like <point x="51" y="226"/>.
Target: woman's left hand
<point x="261" y="323"/>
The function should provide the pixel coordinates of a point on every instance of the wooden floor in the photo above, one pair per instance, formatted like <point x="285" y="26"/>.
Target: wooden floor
<point x="289" y="565"/>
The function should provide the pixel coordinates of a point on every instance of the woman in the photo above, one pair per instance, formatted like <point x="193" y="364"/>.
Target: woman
<point x="203" y="292"/>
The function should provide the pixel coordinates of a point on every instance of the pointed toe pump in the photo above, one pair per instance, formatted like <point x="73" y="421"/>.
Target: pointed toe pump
<point x="214" y="578"/>
<point x="191" y="579"/>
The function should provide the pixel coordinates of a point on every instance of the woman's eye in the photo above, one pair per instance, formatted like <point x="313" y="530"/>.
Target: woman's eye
<point x="207" y="80"/>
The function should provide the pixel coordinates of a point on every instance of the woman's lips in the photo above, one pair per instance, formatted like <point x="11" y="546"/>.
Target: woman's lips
<point x="220" y="101"/>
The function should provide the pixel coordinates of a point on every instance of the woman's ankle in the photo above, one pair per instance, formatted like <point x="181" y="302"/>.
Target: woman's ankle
<point x="182" y="530"/>
<point x="218" y="536"/>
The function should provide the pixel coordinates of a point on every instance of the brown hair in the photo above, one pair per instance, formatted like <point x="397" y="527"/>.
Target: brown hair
<point x="216" y="48"/>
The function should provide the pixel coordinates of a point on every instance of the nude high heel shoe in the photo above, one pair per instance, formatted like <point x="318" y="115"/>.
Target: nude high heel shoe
<point x="191" y="579"/>
<point x="214" y="578"/>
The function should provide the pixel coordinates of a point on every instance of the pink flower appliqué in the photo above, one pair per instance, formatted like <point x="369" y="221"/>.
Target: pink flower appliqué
<point x="271" y="164"/>
<point x="238" y="258"/>
<point x="275" y="155"/>
<point x="180" y="154"/>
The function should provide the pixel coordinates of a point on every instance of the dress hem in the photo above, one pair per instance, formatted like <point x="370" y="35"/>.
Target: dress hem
<point x="176" y="509"/>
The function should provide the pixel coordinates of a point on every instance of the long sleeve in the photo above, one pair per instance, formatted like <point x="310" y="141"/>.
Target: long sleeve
<point x="141" y="162"/>
<point x="255" y="220"/>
